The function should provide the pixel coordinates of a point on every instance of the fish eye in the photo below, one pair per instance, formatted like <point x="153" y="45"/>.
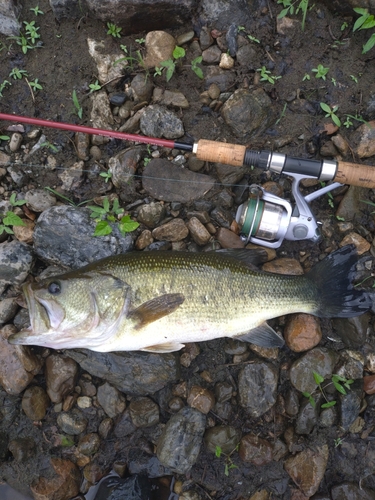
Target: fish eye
<point x="54" y="288"/>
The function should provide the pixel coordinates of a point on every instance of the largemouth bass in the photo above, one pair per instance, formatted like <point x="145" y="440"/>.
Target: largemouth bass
<point x="157" y="301"/>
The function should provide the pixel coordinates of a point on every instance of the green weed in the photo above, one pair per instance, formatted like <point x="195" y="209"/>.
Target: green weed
<point x="228" y="460"/>
<point x="77" y="105"/>
<point x="114" y="30"/>
<point x="10" y="219"/>
<point x="331" y="113"/>
<point x="94" y="86"/>
<point x="106" y="175"/>
<point x="36" y="10"/>
<point x="290" y="8"/>
<point x="265" y="75"/>
<point x="365" y="21"/>
<point x="341" y="384"/>
<point x="18" y="74"/>
<point x="106" y="215"/>
<point x="194" y="66"/>
<point x="170" y="64"/>
<point x="320" y="71"/>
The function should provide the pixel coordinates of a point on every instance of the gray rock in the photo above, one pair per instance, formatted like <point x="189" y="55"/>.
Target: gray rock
<point x="101" y="115"/>
<point x="123" y="167"/>
<point x="211" y="55"/>
<point x="135" y="373"/>
<point x="73" y="423"/>
<point x="144" y="412"/>
<point x="142" y="87"/>
<point x="111" y="400"/>
<point x="166" y="182"/>
<point x="247" y="56"/>
<point x="320" y="360"/>
<point x="222" y="14"/>
<point x="350" y="404"/>
<point x="248" y="112"/>
<point x="220" y="77"/>
<point x="72" y="177"/>
<point x="352" y="331"/>
<point x="9" y="13"/>
<point x="257" y="384"/>
<point x="156" y="121"/>
<point x="307" y="417"/>
<point x="15" y="263"/>
<point x="231" y="38"/>
<point x="351" y="491"/>
<point x="39" y="200"/>
<point x="179" y="445"/>
<point x="64" y="235"/>
<point x="225" y="436"/>
<point x="351" y="203"/>
<point x="150" y="215"/>
<point x="8" y="308"/>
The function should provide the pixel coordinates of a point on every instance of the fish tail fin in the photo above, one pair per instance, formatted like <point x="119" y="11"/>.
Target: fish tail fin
<point x="332" y="279"/>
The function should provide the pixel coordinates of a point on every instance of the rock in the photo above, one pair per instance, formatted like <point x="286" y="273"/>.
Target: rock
<point x="22" y="448"/>
<point x="144" y="240"/>
<point x="35" y="403"/>
<point x="320" y="360"/>
<point x="132" y="124"/>
<point x="72" y="423"/>
<point x="211" y="55"/>
<point x="101" y="115"/>
<point x="8" y="308"/>
<point x="361" y="244"/>
<point x="117" y="99"/>
<point x="123" y="167"/>
<point x="60" y="228"/>
<point x="65" y="483"/>
<point x="257" y="385"/>
<point x="9" y="14"/>
<point x="179" y="445"/>
<point x="350" y="405"/>
<point x="351" y="491"/>
<point x="226" y="61"/>
<point x="18" y="364"/>
<point x="283" y="265"/>
<point x="142" y="88"/>
<point x="328" y="417"/>
<point x="89" y="444"/>
<point x="4" y="158"/>
<point x="255" y="450"/>
<point x="174" y="98"/>
<point x="352" y="331"/>
<point x="72" y="177"/>
<point x="351" y="203"/>
<point x="307" y="417"/>
<point x="151" y="214"/>
<point x="307" y="469"/>
<point x="248" y="112"/>
<point x="107" y="69"/>
<point x="124" y="425"/>
<point x="228" y="239"/>
<point x="15" y="140"/>
<point x="135" y="373"/>
<point x="157" y="121"/>
<point x="61" y="374"/>
<point x="369" y="384"/>
<point x="111" y="400"/>
<point x="164" y="181"/>
<point x="224" y="436"/>
<point x="24" y="234"/>
<point x="175" y="230"/>
<point x="201" y="399"/>
<point x="39" y="200"/>
<point x="15" y="263"/>
<point x="82" y="142"/>
<point x="363" y="140"/>
<point x="159" y="47"/>
<point x="144" y="412"/>
<point x="198" y="232"/>
<point x="230" y="175"/>
<point x="291" y="403"/>
<point x="135" y="487"/>
<point x="302" y="332"/>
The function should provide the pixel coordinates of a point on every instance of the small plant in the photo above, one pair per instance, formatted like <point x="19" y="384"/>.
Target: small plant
<point x="94" y="86"/>
<point x="35" y="84"/>
<point x="333" y="80"/>
<point x="348" y="123"/>
<point x="320" y="71"/>
<point x="10" y="219"/>
<point x="341" y="384"/>
<point x="36" y="10"/>
<point x="338" y="442"/>
<point x="3" y="86"/>
<point x="124" y="48"/>
<point x="331" y="112"/>
<point x="77" y="105"/>
<point x="306" y="77"/>
<point x="253" y="39"/>
<point x="114" y="30"/>
<point x="104" y="215"/>
<point x="354" y="78"/>
<point x="228" y="461"/>
<point x="170" y="64"/>
<point x="330" y="196"/>
<point x="140" y="40"/>
<point x="50" y="146"/>
<point x="265" y="75"/>
<point x="289" y="9"/>
<point x="18" y="74"/>
<point x="106" y="175"/>
<point x="366" y="21"/>
<point x="31" y="31"/>
<point x="194" y="66"/>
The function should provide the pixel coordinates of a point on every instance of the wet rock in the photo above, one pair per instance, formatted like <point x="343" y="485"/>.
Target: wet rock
<point x="228" y="239"/>
<point x="223" y="391"/>
<point x="89" y="444"/>
<point x="61" y="374"/>
<point x="369" y="384"/>
<point x="107" y="69"/>
<point x="220" y="77"/>
<point x="351" y="491"/>
<point x="135" y="373"/>
<point x="283" y="265"/>
<point x="18" y="364"/>
<point x="9" y="14"/>
<point x="181" y="440"/>
<point x="156" y="121"/>
<point x="350" y="405"/>
<point x="60" y="228"/>
<point x="356" y="239"/>
<point x="291" y="403"/>
<point x="111" y="400"/>
<point x="22" y="448"/>
<point x="159" y="47"/>
<point x="8" y="308"/>
<point x="255" y="450"/>
<point x="228" y="174"/>
<point x="205" y="38"/>
<point x="363" y="140"/>
<point x="150" y="215"/>
<point x="257" y="384"/>
<point x="35" y="403"/>
<point x="123" y="167"/>
<point x="224" y="436"/>
<point x="39" y="200"/>
<point x="352" y="331"/>
<point x="144" y="412"/>
<point x="72" y="423"/>
<point x="328" y="417"/>
<point x="164" y="181"/>
<point x="15" y="263"/>
<point x="175" y="230"/>
<point x="248" y="112"/>
<point x="117" y="99"/>
<point x="198" y="232"/>
<point x="351" y="203"/>
<point x="351" y="365"/>
<point x="132" y="124"/>
<point x="65" y="483"/>
<point x="142" y="88"/>
<point x="320" y="360"/>
<point x="302" y="332"/>
<point x="201" y="399"/>
<point x="307" y="417"/>
<point x="124" y="425"/>
<point x="307" y="469"/>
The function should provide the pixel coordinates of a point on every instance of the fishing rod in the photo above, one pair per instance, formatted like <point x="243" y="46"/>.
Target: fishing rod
<point x="265" y="219"/>
<point x="233" y="154"/>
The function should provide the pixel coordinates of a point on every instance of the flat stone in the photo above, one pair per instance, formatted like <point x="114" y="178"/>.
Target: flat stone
<point x="64" y="484"/>
<point x="39" y="200"/>
<point x="228" y="239"/>
<point x="35" y="403"/>
<point x="356" y="239"/>
<point x="157" y="121"/>
<point x="16" y="259"/>
<point x="9" y="14"/>
<point x="320" y="360"/>
<point x="175" y="230"/>
<point x="224" y="436"/>
<point x="363" y="140"/>
<point x="200" y="398"/>
<point x="255" y="450"/>
<point x="198" y="232"/>
<point x="369" y="384"/>
<point x="61" y="374"/>
<point x="144" y="412"/>
<point x="257" y="385"/>
<point x="72" y="423"/>
<point x="111" y="400"/>
<point x="302" y="332"/>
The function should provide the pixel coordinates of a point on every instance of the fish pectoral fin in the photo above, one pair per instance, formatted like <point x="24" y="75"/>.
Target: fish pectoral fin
<point x="156" y="308"/>
<point x="263" y="335"/>
<point x="166" y="347"/>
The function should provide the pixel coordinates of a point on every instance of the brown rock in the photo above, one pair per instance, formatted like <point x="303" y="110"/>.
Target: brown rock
<point x="364" y="140"/>
<point x="201" y="399"/>
<point x="283" y="266"/>
<point x="82" y="142"/>
<point x="63" y="486"/>
<point x="159" y="47"/>
<point x="175" y="230"/>
<point x="260" y="495"/>
<point x="255" y="450"/>
<point x="361" y="244"/>
<point x="369" y="384"/>
<point x="307" y="469"/>
<point x="35" y="403"/>
<point x="228" y="239"/>
<point x="198" y="232"/>
<point x="302" y="332"/>
<point x="144" y="239"/>
<point x="25" y="233"/>
<point x="61" y="374"/>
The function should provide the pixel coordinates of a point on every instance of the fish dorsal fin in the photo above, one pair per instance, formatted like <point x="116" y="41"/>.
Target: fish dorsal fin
<point x="263" y="335"/>
<point x="166" y="347"/>
<point x="251" y="257"/>
<point x="156" y="308"/>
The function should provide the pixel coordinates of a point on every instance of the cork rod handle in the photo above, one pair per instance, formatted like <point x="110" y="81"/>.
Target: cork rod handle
<point x="355" y="174"/>
<point x="220" y="152"/>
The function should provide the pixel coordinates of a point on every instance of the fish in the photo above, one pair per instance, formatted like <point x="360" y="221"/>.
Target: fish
<point x="157" y="301"/>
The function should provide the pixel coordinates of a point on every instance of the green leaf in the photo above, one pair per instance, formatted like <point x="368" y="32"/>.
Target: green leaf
<point x="283" y="13"/>
<point x="369" y="23"/>
<point x="66" y="440"/>
<point x="127" y="225"/>
<point x="369" y="44"/>
<point x="218" y="451"/>
<point x="359" y="10"/>
<point x="16" y="203"/>
<point x="359" y="22"/>
<point x="96" y="210"/>
<point x="336" y="120"/>
<point x="12" y="219"/>
<point x="102" y="228"/>
<point x="178" y="52"/>
<point x="106" y="204"/>
<point x="226" y="470"/>
<point x="329" y="405"/>
<point x="318" y="378"/>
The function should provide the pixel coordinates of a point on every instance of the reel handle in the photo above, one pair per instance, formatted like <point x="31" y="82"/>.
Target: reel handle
<point x="355" y="174"/>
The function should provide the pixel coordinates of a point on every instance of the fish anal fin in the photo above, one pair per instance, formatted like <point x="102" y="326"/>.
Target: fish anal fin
<point x="166" y="347"/>
<point x="263" y="336"/>
<point x="156" y="308"/>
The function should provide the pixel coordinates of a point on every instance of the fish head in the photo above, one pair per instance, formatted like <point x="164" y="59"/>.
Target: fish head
<point x="72" y="310"/>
